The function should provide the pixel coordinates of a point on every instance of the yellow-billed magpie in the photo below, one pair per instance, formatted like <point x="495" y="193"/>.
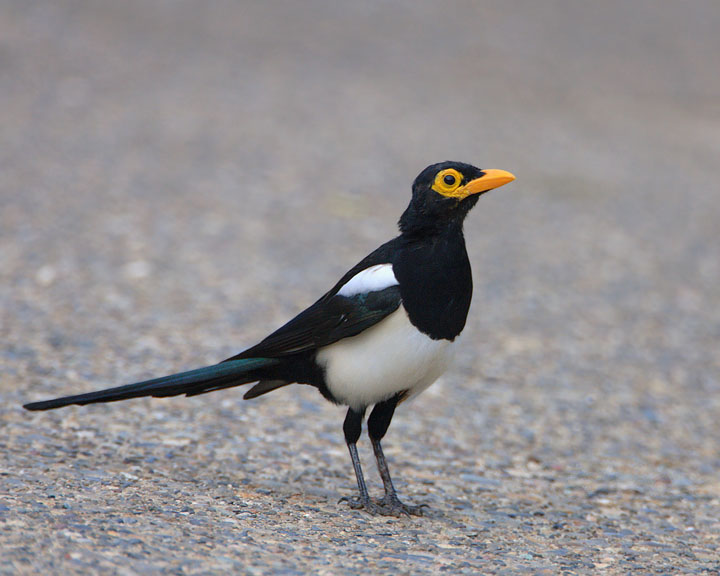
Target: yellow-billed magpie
<point x="381" y="335"/>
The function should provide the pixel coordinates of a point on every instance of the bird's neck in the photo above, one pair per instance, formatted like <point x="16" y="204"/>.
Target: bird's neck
<point x="414" y="229"/>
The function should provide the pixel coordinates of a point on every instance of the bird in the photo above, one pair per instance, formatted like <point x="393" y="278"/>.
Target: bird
<point x="380" y="336"/>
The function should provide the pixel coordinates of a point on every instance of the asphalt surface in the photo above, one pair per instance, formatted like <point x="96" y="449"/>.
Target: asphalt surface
<point x="177" y="179"/>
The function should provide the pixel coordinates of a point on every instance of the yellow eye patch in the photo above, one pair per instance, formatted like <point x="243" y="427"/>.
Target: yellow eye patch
<point x="447" y="182"/>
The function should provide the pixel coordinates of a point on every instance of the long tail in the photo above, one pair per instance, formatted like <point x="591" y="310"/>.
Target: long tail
<point x="223" y="375"/>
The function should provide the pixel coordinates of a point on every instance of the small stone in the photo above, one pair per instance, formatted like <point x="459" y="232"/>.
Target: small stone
<point x="45" y="275"/>
<point x="137" y="270"/>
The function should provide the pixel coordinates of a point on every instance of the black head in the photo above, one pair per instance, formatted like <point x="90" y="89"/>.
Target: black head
<point x="444" y="193"/>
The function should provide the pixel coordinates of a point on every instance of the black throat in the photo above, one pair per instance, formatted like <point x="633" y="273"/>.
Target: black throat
<point x="435" y="280"/>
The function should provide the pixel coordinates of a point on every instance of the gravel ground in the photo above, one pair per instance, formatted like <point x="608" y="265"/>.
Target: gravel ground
<point x="176" y="179"/>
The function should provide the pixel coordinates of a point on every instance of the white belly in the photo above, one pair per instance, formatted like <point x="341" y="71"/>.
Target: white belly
<point x="388" y="358"/>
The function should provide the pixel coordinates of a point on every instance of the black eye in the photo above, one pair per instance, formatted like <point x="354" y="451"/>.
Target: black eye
<point x="449" y="179"/>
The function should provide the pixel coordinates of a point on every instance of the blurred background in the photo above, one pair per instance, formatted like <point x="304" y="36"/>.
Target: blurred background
<point x="178" y="178"/>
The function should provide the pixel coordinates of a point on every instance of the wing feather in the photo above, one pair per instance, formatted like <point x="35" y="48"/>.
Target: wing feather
<point x="328" y="320"/>
<point x="335" y="316"/>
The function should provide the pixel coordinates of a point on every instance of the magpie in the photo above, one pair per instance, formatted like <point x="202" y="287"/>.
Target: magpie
<point x="380" y="336"/>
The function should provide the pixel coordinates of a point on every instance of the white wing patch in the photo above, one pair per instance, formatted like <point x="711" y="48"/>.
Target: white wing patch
<point x="371" y="279"/>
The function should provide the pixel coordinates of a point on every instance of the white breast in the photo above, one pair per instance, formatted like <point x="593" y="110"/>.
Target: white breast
<point x="388" y="358"/>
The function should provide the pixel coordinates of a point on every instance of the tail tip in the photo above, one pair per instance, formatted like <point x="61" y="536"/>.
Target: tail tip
<point x="44" y="405"/>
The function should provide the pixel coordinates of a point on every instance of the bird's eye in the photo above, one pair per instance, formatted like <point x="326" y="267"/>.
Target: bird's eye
<point x="447" y="182"/>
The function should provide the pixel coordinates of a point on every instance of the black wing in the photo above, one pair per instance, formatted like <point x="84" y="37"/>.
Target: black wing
<point x="333" y="317"/>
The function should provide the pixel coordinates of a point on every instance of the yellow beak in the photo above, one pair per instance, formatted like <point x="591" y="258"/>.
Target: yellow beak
<point x="488" y="181"/>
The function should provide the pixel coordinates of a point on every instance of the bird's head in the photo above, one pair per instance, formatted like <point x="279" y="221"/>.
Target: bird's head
<point x="444" y="193"/>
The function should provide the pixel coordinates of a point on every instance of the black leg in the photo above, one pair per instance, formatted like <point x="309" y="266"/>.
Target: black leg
<point x="352" y="428"/>
<point x="380" y="418"/>
<point x="378" y="424"/>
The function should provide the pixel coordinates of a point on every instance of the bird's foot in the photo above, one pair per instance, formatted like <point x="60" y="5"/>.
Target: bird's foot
<point x="393" y="506"/>
<point x="389" y="505"/>
<point x="367" y="504"/>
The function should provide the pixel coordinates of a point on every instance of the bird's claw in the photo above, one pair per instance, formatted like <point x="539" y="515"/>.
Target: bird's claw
<point x="363" y="504"/>
<point x="396" y="507"/>
<point x="389" y="505"/>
